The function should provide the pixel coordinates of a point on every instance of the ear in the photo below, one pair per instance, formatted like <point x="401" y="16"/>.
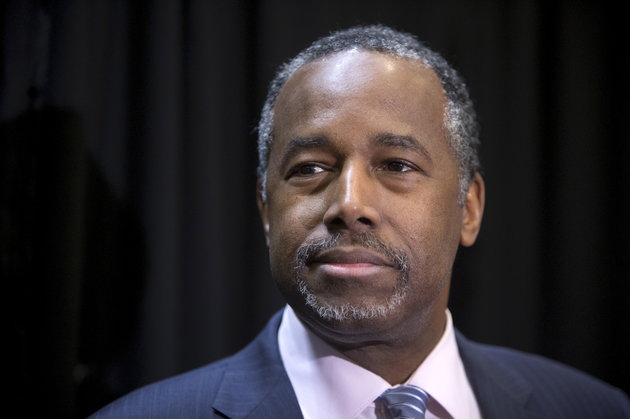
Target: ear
<point x="473" y="210"/>
<point x="262" y="209"/>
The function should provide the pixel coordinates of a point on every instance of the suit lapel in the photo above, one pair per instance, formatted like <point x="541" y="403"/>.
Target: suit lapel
<point x="255" y="383"/>
<point x="499" y="391"/>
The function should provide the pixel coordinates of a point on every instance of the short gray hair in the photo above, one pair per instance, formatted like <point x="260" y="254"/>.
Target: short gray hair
<point x="460" y="120"/>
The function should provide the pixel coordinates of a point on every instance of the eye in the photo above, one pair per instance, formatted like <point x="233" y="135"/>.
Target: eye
<point x="308" y="169"/>
<point x="399" y="166"/>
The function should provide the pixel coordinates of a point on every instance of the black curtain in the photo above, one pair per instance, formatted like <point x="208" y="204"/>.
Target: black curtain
<point x="130" y="244"/>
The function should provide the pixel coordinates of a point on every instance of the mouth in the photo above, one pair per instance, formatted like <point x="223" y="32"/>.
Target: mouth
<point x="350" y="262"/>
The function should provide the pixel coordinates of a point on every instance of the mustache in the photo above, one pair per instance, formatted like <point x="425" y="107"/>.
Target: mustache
<point x="308" y="250"/>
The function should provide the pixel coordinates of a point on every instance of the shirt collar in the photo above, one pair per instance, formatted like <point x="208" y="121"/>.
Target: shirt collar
<point x="327" y="384"/>
<point x="442" y="375"/>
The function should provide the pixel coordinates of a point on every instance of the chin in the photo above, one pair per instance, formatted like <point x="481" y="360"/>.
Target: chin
<point x="340" y="309"/>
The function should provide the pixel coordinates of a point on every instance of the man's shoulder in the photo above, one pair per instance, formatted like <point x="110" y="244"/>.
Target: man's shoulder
<point x="175" y="394"/>
<point x="538" y="382"/>
<point x="533" y="367"/>
<point x="193" y="393"/>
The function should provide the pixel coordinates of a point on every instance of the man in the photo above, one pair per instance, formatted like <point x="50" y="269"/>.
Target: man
<point x="368" y="183"/>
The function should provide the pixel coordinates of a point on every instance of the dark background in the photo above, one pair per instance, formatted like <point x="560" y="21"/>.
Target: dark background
<point x="130" y="245"/>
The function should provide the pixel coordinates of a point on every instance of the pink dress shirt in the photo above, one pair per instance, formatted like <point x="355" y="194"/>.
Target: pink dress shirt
<point x="330" y="386"/>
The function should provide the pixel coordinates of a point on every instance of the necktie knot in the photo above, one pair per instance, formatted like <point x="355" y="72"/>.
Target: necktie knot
<point x="405" y="402"/>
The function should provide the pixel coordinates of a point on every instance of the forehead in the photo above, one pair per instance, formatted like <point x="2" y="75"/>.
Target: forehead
<point x="401" y="89"/>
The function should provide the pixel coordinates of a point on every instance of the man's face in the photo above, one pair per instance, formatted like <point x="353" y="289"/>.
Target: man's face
<point x="362" y="218"/>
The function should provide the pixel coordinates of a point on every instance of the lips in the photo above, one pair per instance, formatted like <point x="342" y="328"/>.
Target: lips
<point x="350" y="256"/>
<point x="350" y="263"/>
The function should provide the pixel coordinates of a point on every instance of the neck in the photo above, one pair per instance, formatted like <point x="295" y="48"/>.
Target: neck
<point x="395" y="355"/>
<point x="396" y="361"/>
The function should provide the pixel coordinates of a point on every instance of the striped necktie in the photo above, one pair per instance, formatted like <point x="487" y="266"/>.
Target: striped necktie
<point x="405" y="402"/>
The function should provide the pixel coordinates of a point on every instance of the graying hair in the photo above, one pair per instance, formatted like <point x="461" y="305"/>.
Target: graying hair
<point x="460" y="120"/>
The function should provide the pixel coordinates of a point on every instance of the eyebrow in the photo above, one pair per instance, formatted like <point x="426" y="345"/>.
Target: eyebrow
<point x="298" y="144"/>
<point x="401" y="141"/>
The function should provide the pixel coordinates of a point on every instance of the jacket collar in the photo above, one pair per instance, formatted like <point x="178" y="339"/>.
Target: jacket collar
<point x="499" y="390"/>
<point x="255" y="383"/>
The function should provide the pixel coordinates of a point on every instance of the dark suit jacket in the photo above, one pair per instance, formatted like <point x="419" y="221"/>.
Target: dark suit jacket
<point x="253" y="384"/>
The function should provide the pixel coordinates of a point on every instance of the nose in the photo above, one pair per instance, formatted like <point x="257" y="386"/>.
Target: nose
<point x="352" y="201"/>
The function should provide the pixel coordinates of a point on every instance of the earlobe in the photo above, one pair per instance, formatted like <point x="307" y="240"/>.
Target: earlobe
<point x="473" y="210"/>
<point x="262" y="209"/>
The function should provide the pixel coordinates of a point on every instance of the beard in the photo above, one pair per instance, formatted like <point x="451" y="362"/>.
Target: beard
<point x="348" y="311"/>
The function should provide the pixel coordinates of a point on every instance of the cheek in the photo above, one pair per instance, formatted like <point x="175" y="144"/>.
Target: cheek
<point x="291" y="222"/>
<point x="432" y="247"/>
<point x="431" y="234"/>
<point x="295" y="213"/>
